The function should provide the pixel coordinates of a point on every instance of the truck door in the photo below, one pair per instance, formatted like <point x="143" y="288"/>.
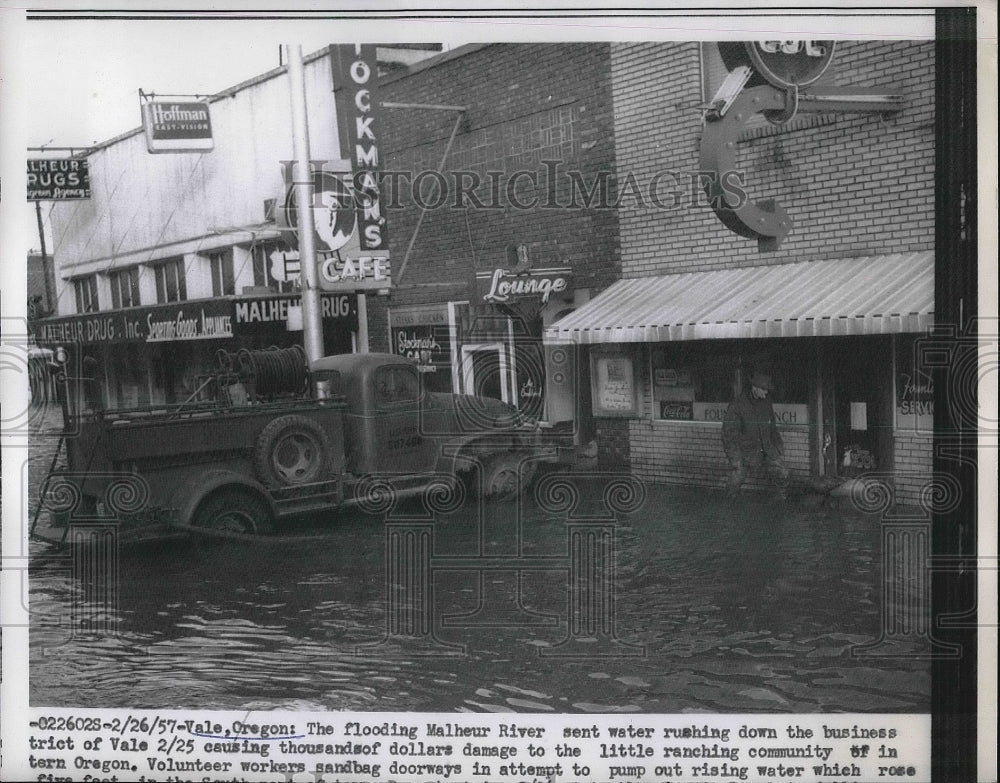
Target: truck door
<point x="399" y="445"/>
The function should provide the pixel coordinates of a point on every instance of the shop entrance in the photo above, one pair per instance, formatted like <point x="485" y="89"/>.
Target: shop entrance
<point x="485" y="371"/>
<point x="857" y="405"/>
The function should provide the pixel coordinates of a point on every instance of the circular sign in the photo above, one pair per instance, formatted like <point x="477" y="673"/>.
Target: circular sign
<point x="783" y="64"/>
<point x="334" y="216"/>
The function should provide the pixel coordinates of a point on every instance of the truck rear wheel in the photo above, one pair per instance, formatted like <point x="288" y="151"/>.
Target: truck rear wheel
<point x="292" y="450"/>
<point x="234" y="511"/>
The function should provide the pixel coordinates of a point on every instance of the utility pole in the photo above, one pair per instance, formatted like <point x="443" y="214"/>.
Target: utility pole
<point x="302" y="181"/>
<point x="45" y="259"/>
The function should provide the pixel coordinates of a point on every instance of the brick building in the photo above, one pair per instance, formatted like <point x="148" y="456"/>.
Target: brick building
<point x="834" y="314"/>
<point x="491" y="239"/>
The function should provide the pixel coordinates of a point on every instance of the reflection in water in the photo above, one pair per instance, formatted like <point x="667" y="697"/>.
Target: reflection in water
<point x="737" y="609"/>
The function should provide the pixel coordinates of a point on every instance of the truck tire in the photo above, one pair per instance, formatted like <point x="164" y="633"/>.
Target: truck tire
<point x="292" y="450"/>
<point x="505" y="476"/>
<point x="234" y="511"/>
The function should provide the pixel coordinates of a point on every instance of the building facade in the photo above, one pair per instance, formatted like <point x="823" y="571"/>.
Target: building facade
<point x="493" y="238"/>
<point x="552" y="245"/>
<point x="177" y="255"/>
<point x="835" y="314"/>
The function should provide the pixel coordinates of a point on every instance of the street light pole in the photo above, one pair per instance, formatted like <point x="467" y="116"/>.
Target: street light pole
<point x="302" y="181"/>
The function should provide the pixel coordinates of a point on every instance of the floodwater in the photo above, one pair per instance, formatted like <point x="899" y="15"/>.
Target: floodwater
<point x="653" y="599"/>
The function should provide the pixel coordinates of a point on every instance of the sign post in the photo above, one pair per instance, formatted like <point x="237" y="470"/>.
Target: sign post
<point x="302" y="182"/>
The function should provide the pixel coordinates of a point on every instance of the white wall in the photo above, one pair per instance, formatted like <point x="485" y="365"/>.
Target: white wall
<point x="145" y="206"/>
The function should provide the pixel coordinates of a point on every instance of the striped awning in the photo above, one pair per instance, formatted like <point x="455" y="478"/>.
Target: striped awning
<point x="871" y="295"/>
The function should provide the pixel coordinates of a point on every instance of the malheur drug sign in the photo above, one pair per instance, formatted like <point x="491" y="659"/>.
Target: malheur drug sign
<point x="171" y="126"/>
<point x="58" y="179"/>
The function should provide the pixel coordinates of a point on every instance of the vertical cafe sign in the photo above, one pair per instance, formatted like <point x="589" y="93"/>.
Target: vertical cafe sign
<point x="355" y="82"/>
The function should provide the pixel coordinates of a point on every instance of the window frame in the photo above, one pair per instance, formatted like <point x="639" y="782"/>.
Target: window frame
<point x="117" y="281"/>
<point x="160" y="271"/>
<point x="261" y="262"/>
<point x="384" y="403"/>
<point x="222" y="271"/>
<point x="86" y="294"/>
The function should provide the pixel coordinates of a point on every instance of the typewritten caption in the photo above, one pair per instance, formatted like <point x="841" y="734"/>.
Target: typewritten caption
<point x="136" y="745"/>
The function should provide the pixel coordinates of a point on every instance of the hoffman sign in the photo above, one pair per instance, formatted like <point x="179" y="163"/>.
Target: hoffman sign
<point x="58" y="179"/>
<point x="177" y="127"/>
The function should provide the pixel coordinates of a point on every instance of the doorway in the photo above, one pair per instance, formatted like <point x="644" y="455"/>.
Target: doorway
<point x="857" y="405"/>
<point x="486" y="371"/>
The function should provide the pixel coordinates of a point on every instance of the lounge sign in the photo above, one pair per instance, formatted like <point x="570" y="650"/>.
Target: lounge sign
<point x="173" y="126"/>
<point x="502" y="285"/>
<point x="58" y="179"/>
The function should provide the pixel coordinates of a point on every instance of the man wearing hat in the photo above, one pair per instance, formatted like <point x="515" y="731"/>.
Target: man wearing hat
<point x="750" y="435"/>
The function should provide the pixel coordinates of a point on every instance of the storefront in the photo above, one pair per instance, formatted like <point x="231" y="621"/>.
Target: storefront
<point x="156" y="355"/>
<point x="492" y="346"/>
<point x="840" y="339"/>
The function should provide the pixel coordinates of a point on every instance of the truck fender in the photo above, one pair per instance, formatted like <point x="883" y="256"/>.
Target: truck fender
<point x="188" y="497"/>
<point x="457" y="455"/>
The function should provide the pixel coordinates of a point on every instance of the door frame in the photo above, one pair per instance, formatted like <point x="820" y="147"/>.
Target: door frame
<point x="468" y="368"/>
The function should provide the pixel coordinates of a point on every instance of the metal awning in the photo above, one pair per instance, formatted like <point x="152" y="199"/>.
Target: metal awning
<point x="884" y="294"/>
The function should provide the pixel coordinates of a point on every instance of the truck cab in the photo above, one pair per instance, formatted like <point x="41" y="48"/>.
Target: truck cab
<point x="242" y="460"/>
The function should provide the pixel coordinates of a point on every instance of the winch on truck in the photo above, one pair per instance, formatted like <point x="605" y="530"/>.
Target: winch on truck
<point x="268" y="437"/>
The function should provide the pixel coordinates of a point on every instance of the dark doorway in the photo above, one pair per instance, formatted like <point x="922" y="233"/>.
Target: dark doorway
<point x="857" y="404"/>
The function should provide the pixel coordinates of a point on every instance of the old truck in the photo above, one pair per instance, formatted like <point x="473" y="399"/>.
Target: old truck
<point x="269" y="437"/>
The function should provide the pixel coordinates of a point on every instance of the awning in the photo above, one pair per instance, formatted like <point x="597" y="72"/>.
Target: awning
<point x="884" y="294"/>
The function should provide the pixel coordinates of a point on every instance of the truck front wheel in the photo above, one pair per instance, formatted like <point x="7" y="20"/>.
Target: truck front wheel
<point x="234" y="511"/>
<point x="505" y="476"/>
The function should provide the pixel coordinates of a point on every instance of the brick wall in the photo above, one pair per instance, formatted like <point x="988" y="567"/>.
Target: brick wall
<point x="691" y="453"/>
<point x="613" y="446"/>
<point x="854" y="184"/>
<point x="914" y="465"/>
<point x="527" y="104"/>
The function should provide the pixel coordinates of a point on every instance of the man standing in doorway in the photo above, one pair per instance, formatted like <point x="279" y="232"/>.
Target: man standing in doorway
<point x="750" y="435"/>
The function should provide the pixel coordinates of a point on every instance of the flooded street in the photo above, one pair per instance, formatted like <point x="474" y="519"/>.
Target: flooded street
<point x="687" y="603"/>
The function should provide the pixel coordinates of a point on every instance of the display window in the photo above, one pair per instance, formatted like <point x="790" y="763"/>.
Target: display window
<point x="697" y="381"/>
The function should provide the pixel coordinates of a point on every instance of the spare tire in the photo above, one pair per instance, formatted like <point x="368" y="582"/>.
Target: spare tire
<point x="292" y="450"/>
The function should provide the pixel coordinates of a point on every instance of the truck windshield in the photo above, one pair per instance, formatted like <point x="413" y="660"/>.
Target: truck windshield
<point x="396" y="384"/>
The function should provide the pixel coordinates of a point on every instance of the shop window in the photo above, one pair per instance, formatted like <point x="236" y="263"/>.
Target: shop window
<point x="223" y="280"/>
<point x="612" y="384"/>
<point x="690" y="385"/>
<point x="171" y="285"/>
<point x="395" y="385"/>
<point x="264" y="273"/>
<point x="697" y="383"/>
<point x="124" y="288"/>
<point x="85" y="289"/>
